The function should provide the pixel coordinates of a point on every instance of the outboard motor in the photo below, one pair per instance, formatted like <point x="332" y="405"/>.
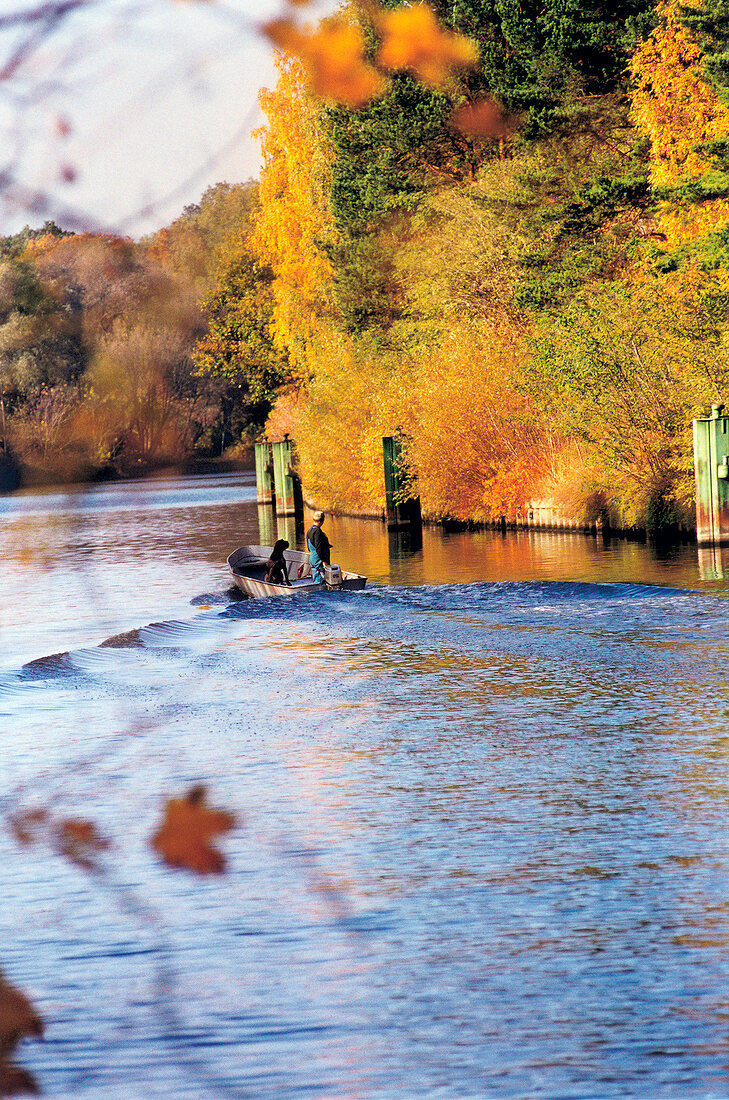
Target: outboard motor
<point x="332" y="576"/>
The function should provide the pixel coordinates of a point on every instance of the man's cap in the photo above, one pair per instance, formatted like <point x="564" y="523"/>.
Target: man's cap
<point x="318" y="516"/>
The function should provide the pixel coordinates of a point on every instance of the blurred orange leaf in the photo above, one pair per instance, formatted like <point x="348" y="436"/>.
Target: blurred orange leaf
<point x="484" y="118"/>
<point x="80" y="841"/>
<point x="16" y="1081"/>
<point x="333" y="58"/>
<point x="412" y="39"/>
<point x="74" y="838"/>
<point x="18" y="1018"/>
<point x="26" y="825"/>
<point x="184" y="838"/>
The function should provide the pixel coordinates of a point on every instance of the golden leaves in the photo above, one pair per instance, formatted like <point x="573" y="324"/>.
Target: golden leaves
<point x="80" y="842"/>
<point x="333" y="58"/>
<point x="189" y="826"/>
<point x="412" y="39"/>
<point x="294" y="224"/>
<point x="672" y="102"/>
<point x="25" y="825"/>
<point x="333" y="53"/>
<point x="680" y="113"/>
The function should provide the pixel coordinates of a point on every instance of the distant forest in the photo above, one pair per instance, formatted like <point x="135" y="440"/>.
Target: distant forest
<point x="99" y="345"/>
<point x="520" y="264"/>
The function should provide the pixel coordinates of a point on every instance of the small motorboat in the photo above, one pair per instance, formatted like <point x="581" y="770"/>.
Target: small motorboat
<point x="247" y="565"/>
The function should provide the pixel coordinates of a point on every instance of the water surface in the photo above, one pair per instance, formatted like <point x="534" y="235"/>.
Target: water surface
<point x="481" y="847"/>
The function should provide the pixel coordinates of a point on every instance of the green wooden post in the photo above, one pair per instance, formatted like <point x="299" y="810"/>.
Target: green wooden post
<point x="391" y="451"/>
<point x="711" y="467"/>
<point x="401" y="509"/>
<point x="283" y="478"/>
<point x="290" y="528"/>
<point x="264" y="473"/>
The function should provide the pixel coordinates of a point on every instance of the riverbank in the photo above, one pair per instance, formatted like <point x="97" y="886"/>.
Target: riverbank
<point x="14" y="475"/>
<point x="537" y="518"/>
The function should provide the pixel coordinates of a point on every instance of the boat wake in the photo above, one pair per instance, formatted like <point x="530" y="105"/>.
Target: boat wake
<point x="392" y="608"/>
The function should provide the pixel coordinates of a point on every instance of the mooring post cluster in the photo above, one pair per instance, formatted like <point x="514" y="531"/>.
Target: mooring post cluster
<point x="279" y="492"/>
<point x="277" y="483"/>
<point x="279" y="486"/>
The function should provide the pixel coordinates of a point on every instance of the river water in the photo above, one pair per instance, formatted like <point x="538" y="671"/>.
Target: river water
<point x="481" y="838"/>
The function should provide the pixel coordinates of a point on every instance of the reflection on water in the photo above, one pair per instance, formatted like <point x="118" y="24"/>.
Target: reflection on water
<point x="714" y="563"/>
<point x="268" y="533"/>
<point x="482" y="836"/>
<point x="292" y="529"/>
<point x="405" y="542"/>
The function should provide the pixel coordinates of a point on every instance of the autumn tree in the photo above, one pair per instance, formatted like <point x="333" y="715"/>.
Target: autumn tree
<point x="541" y="71"/>
<point x="41" y="350"/>
<point x="294" y="227"/>
<point x="15" y="243"/>
<point x="623" y="369"/>
<point x="467" y="203"/>
<point x="532" y="59"/>
<point x="135" y="399"/>
<point x="189" y="246"/>
<point x="135" y="384"/>
<point x="238" y="347"/>
<point x="685" y="120"/>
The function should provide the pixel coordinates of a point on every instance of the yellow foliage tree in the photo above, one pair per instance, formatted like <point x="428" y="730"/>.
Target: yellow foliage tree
<point x="676" y="108"/>
<point x="355" y="398"/>
<point x="294" y="223"/>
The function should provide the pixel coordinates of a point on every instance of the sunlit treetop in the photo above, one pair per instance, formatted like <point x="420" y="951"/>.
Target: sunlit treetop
<point x="672" y="101"/>
<point x="708" y="21"/>
<point x="293" y="227"/>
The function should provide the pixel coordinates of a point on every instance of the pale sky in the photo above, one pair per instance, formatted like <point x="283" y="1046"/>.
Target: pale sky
<point x="126" y="110"/>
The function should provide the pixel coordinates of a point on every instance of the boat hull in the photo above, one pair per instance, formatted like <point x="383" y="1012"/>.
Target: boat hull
<point x="247" y="567"/>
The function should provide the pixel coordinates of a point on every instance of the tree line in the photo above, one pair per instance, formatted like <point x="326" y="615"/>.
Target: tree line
<point x="521" y="267"/>
<point x="500" y="231"/>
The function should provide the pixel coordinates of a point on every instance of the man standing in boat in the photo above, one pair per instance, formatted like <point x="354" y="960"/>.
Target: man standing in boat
<point x="319" y="548"/>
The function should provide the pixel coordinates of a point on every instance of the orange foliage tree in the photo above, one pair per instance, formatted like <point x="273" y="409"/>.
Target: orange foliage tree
<point x="477" y="443"/>
<point x="476" y="446"/>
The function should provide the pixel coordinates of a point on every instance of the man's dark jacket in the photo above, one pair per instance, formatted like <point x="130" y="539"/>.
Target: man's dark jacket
<point x="320" y="542"/>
